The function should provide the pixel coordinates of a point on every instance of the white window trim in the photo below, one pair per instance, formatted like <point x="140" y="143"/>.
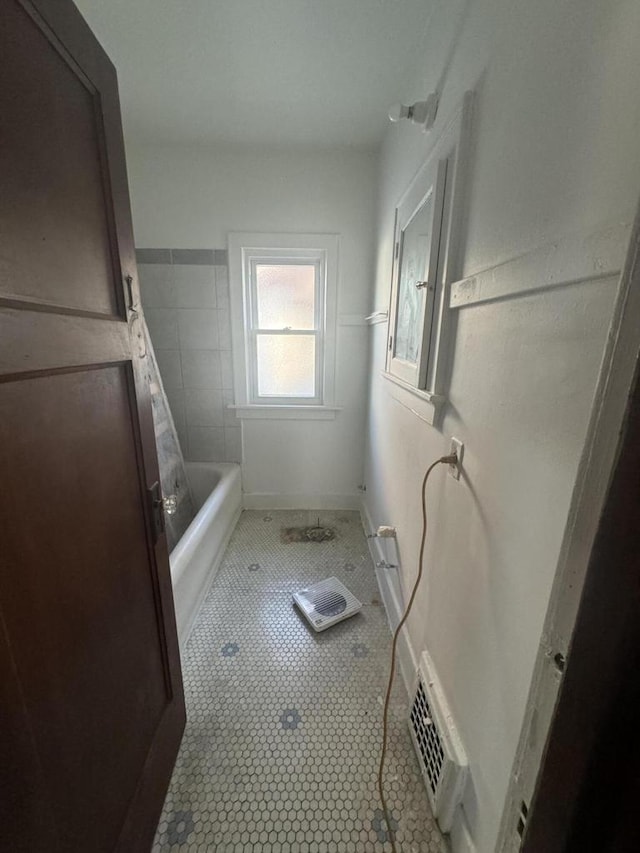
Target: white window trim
<point x="453" y="146"/>
<point x="244" y="248"/>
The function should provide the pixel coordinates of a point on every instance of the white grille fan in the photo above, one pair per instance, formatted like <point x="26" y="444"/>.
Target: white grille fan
<point x="326" y="603"/>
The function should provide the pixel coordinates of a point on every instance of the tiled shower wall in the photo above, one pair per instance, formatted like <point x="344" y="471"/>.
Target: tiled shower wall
<point x="185" y="296"/>
<point x="173" y="477"/>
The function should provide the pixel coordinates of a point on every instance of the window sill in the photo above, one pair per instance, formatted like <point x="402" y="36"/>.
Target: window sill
<point x="424" y="404"/>
<point x="253" y="411"/>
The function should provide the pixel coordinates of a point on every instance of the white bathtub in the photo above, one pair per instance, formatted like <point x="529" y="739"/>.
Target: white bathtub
<point x="216" y="490"/>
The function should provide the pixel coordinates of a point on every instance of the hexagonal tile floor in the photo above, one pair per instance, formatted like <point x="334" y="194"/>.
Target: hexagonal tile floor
<point x="282" y="743"/>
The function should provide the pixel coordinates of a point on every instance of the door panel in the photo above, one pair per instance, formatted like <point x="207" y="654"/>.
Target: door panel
<point x="26" y="819"/>
<point x="92" y="704"/>
<point x="77" y="673"/>
<point x="53" y="196"/>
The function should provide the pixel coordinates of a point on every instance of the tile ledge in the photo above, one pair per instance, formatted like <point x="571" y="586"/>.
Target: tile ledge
<point x="295" y="412"/>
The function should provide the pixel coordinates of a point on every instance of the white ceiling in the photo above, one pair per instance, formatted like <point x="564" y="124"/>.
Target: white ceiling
<point x="260" y="72"/>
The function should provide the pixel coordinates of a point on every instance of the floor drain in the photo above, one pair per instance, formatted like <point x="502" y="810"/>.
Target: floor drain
<point x="316" y="533"/>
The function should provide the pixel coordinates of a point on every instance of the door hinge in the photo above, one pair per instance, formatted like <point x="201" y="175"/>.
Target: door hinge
<point x="396" y="250"/>
<point x="131" y="303"/>
<point x="390" y="342"/>
<point x="156" y="510"/>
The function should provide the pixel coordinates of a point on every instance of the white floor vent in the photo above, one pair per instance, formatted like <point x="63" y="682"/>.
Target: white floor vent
<point x="326" y="603"/>
<point x="440" y="752"/>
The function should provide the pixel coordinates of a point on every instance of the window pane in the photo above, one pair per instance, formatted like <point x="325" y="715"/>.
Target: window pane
<point x="416" y="242"/>
<point x="286" y="296"/>
<point x="286" y="365"/>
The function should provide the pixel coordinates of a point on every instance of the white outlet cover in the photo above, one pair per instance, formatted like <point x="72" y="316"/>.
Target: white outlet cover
<point x="456" y="447"/>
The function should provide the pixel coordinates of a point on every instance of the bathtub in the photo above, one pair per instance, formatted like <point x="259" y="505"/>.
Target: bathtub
<point x="216" y="491"/>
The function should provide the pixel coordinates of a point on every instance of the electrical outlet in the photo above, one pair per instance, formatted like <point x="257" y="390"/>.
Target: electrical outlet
<point x="456" y="447"/>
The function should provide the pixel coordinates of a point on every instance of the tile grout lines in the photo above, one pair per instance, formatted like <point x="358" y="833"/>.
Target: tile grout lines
<point x="283" y="734"/>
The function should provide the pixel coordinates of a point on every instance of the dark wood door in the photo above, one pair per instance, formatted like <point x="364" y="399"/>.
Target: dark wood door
<point x="588" y="789"/>
<point x="92" y="710"/>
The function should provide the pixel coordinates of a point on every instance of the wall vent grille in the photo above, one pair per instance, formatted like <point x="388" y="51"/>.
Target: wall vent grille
<point x="440" y="753"/>
<point x="429" y="741"/>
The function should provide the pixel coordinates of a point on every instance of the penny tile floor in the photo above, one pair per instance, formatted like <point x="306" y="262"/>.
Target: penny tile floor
<point x="282" y="742"/>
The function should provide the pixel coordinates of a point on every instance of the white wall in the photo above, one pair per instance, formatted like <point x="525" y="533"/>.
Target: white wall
<point x="556" y="152"/>
<point x="192" y="198"/>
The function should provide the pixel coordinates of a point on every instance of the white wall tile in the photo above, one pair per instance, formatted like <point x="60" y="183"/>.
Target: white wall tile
<point x="201" y="369"/>
<point x="232" y="444"/>
<point x="163" y="327"/>
<point x="156" y="285"/>
<point x="198" y="328"/>
<point x="226" y="368"/>
<point x="186" y="307"/>
<point x="229" y="415"/>
<point x="224" y="330"/>
<point x="195" y="286"/>
<point x="222" y="288"/>
<point x="204" y="408"/>
<point x="183" y="438"/>
<point x="206" y="444"/>
<point x="175" y="398"/>
<point x="170" y="369"/>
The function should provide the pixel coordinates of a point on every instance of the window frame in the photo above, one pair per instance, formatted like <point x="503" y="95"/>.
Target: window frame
<point x="246" y="251"/>
<point x="302" y="257"/>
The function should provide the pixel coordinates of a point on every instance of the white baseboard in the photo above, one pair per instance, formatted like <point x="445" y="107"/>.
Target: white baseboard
<point x="460" y="839"/>
<point x="393" y="604"/>
<point x="276" y="500"/>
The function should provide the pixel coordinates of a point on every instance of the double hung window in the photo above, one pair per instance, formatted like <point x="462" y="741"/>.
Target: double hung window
<point x="283" y="315"/>
<point x="286" y="328"/>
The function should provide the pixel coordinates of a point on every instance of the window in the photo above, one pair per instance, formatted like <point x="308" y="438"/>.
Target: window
<point x="283" y="316"/>
<point x="286" y="324"/>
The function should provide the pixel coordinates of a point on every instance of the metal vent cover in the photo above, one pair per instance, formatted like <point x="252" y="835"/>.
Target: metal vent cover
<point x="427" y="738"/>
<point x="326" y="603"/>
<point x="440" y="753"/>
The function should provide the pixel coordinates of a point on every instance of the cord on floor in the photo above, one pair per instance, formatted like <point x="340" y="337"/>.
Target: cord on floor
<point x="444" y="460"/>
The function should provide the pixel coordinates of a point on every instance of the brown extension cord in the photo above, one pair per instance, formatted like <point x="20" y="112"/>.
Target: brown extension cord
<point x="447" y="460"/>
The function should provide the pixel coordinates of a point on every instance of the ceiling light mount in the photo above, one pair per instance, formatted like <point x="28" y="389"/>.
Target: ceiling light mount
<point x="421" y="113"/>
